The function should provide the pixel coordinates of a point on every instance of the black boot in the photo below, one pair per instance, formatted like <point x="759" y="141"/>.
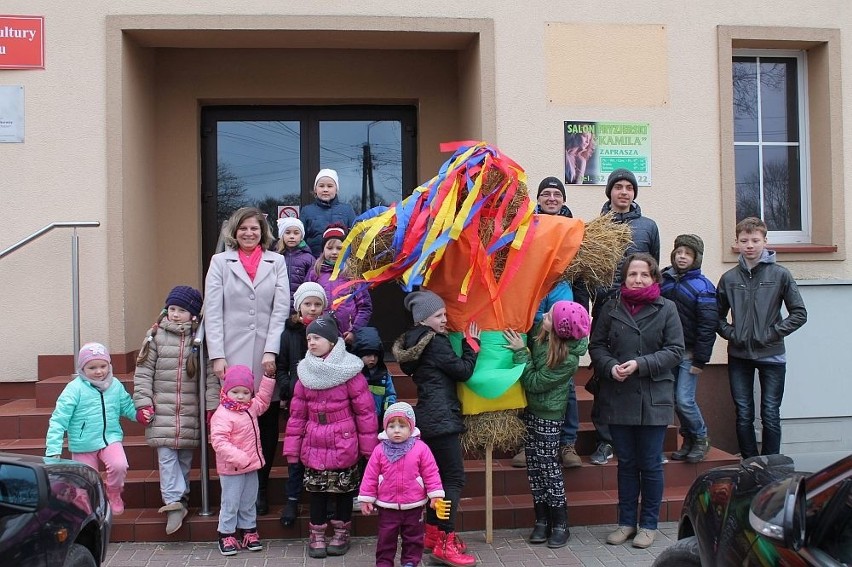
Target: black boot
<point x="685" y="448"/>
<point x="289" y="513"/>
<point x="699" y="450"/>
<point x="541" y="529"/>
<point x="262" y="504"/>
<point x="559" y="533"/>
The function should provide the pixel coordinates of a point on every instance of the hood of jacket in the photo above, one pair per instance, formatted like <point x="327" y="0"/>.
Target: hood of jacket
<point x="767" y="257"/>
<point x="367" y="340"/>
<point x="326" y="204"/>
<point x="410" y="346"/>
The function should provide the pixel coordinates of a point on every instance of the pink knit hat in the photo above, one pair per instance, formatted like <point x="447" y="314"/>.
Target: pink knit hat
<point x="92" y="351"/>
<point x="400" y="409"/>
<point x="238" y="376"/>
<point x="570" y="320"/>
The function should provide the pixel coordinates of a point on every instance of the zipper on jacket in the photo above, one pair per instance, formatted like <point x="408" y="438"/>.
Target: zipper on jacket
<point x="257" y="439"/>
<point x="82" y="429"/>
<point x="178" y="388"/>
<point x="103" y="415"/>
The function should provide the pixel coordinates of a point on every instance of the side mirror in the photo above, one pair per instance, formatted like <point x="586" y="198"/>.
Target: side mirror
<point x="778" y="512"/>
<point x="19" y="487"/>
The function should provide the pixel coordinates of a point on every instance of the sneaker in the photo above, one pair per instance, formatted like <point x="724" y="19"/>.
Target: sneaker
<point x="569" y="457"/>
<point x="519" y="461"/>
<point x="228" y="544"/>
<point x="644" y="538"/>
<point x="603" y="453"/>
<point x="620" y="535"/>
<point x="251" y="540"/>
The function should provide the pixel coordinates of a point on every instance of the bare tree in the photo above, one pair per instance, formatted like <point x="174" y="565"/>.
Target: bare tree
<point x="230" y="192"/>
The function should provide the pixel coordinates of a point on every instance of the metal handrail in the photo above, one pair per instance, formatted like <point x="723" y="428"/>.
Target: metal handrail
<point x="75" y="266"/>
<point x="202" y="403"/>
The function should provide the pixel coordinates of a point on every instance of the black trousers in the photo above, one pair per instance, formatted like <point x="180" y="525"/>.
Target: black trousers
<point x="450" y="459"/>
<point x="267" y="422"/>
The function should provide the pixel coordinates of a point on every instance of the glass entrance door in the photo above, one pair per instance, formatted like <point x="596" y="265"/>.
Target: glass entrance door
<point x="268" y="157"/>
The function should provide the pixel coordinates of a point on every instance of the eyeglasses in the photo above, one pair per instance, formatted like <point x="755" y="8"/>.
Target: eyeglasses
<point x="549" y="194"/>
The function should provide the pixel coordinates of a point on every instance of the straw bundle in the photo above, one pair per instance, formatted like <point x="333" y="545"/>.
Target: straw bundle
<point x="500" y="430"/>
<point x="603" y="247"/>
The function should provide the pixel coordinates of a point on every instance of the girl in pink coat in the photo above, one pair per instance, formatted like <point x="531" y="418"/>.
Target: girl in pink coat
<point x="235" y="437"/>
<point x="332" y="424"/>
<point x="400" y="478"/>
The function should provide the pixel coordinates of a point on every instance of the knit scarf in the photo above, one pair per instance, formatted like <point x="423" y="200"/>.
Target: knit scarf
<point x="251" y="261"/>
<point x="636" y="298"/>
<point x="396" y="451"/>
<point x="232" y="404"/>
<point x="333" y="369"/>
<point x="100" y="385"/>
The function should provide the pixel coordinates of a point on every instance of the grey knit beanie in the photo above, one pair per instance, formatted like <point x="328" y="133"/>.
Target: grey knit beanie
<point x="621" y="175"/>
<point x="326" y="327"/>
<point x="422" y="304"/>
<point x="306" y="290"/>
<point x="694" y="242"/>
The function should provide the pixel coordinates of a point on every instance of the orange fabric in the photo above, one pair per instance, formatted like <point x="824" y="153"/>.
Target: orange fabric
<point x="543" y="261"/>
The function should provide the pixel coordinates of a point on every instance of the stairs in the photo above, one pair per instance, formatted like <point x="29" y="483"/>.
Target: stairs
<point x="592" y="489"/>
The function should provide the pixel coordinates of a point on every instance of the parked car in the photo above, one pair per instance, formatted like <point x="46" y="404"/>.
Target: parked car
<point x="53" y="512"/>
<point x="762" y="513"/>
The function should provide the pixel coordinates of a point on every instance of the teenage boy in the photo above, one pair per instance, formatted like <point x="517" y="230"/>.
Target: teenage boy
<point x="695" y="298"/>
<point x="753" y="292"/>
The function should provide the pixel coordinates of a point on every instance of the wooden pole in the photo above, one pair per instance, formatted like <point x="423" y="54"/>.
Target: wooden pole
<point x="489" y="495"/>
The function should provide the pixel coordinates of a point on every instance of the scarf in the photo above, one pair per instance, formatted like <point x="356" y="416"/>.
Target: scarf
<point x="233" y="405"/>
<point x="251" y="261"/>
<point x="635" y="299"/>
<point x="333" y="369"/>
<point x="396" y="451"/>
<point x="100" y="385"/>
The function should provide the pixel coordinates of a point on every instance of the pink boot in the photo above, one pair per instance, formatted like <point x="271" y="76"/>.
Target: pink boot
<point x="115" y="501"/>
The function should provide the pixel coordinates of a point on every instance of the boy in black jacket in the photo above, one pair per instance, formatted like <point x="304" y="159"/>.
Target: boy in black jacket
<point x="753" y="292"/>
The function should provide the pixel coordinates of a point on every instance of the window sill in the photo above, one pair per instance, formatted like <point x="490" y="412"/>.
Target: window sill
<point x="798" y="248"/>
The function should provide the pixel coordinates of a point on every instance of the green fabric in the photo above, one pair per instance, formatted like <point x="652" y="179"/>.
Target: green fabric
<point x="495" y="372"/>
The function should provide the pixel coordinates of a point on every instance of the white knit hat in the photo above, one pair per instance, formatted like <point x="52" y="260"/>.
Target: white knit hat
<point x="286" y="222"/>
<point x="306" y="290"/>
<point x="327" y="173"/>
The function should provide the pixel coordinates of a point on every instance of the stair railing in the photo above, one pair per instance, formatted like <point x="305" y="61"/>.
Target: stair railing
<point x="75" y="267"/>
<point x="202" y="404"/>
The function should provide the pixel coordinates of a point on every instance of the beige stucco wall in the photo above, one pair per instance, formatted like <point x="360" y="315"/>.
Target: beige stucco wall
<point x="111" y="132"/>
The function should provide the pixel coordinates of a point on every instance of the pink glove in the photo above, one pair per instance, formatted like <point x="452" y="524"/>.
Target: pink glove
<point x="145" y="415"/>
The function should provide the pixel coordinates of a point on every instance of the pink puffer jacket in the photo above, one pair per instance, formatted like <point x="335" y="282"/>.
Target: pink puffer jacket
<point x="407" y="483"/>
<point x="328" y="429"/>
<point x="235" y="435"/>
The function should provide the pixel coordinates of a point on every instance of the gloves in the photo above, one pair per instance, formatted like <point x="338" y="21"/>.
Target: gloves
<point x="145" y="415"/>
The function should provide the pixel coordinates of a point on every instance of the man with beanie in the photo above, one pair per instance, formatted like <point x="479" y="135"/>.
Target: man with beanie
<point x="551" y="198"/>
<point x="621" y="192"/>
<point x="695" y="298"/>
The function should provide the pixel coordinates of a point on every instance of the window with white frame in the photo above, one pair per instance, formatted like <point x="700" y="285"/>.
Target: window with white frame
<point x="770" y="141"/>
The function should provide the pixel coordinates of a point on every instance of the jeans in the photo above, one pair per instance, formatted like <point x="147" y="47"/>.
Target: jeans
<point x="771" y="376"/>
<point x="572" y="419"/>
<point x="450" y="460"/>
<point x="174" y="473"/>
<point x="639" y="471"/>
<point x="691" y="421"/>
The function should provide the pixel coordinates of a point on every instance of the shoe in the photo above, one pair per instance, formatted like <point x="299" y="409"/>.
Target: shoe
<point x="316" y="543"/>
<point x="447" y="552"/>
<point x="541" y="529"/>
<point x="251" y="540"/>
<point x="685" y="448"/>
<point x="228" y="544"/>
<point x="289" y="513"/>
<point x="620" y="535"/>
<point x="644" y="538"/>
<point x="699" y="450"/>
<point x="569" y="457"/>
<point x="603" y="453"/>
<point x="663" y="459"/>
<point x="175" y="513"/>
<point x="430" y="538"/>
<point x="339" y="543"/>
<point x="559" y="527"/>
<point x="519" y="461"/>
<point x="262" y="504"/>
<point x="115" y="501"/>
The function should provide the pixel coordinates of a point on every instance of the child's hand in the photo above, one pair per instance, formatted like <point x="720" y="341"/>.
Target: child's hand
<point x="145" y="415"/>
<point x="367" y="508"/>
<point x="516" y="342"/>
<point x="348" y="337"/>
<point x="473" y="330"/>
<point x="432" y="502"/>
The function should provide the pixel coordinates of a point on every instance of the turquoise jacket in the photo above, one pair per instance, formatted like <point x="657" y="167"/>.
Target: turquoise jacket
<point x="90" y="417"/>
<point x="547" y="388"/>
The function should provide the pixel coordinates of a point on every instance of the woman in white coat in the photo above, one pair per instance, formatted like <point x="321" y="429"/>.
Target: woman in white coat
<point x="247" y="300"/>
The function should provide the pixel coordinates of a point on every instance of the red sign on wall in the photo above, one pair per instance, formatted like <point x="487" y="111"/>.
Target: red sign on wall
<point x="21" y="42"/>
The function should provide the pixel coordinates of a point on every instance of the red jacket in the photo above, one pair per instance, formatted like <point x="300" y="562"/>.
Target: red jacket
<point x="235" y="435"/>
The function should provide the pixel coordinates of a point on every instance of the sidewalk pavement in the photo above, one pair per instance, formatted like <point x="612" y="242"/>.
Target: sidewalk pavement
<point x="586" y="548"/>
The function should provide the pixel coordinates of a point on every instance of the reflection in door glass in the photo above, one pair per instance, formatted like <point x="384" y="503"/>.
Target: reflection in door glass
<point x="368" y="158"/>
<point x="258" y="165"/>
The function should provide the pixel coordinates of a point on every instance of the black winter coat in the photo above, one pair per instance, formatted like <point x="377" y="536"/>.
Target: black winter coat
<point x="654" y="339"/>
<point x="294" y="345"/>
<point x="428" y="357"/>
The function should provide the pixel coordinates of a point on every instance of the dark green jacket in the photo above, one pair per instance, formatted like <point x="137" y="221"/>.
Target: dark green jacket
<point x="547" y="388"/>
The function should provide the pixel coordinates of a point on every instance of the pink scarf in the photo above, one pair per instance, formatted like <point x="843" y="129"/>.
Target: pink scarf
<point x="636" y="298"/>
<point x="251" y="261"/>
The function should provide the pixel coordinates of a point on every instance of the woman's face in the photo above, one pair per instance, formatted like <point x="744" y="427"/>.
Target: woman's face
<point x="638" y="275"/>
<point x="248" y="234"/>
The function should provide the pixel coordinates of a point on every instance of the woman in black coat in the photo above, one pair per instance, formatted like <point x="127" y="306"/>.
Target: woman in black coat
<point x="637" y="339"/>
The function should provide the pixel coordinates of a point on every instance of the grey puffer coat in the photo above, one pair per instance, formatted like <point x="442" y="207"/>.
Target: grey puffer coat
<point x="161" y="382"/>
<point x="654" y="339"/>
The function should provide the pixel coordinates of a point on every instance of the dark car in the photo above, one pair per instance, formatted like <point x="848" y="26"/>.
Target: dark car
<point x="762" y="513"/>
<point x="53" y="512"/>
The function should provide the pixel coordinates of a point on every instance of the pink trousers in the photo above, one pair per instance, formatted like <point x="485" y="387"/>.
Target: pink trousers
<point x="115" y="463"/>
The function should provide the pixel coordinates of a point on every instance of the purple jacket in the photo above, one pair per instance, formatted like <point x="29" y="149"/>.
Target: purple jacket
<point x="329" y="429"/>
<point x="408" y="483"/>
<point x="352" y="314"/>
<point x="299" y="262"/>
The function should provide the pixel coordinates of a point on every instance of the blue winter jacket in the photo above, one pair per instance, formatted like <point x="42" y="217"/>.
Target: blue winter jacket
<point x="89" y="416"/>
<point x="695" y="298"/>
<point x="318" y="215"/>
